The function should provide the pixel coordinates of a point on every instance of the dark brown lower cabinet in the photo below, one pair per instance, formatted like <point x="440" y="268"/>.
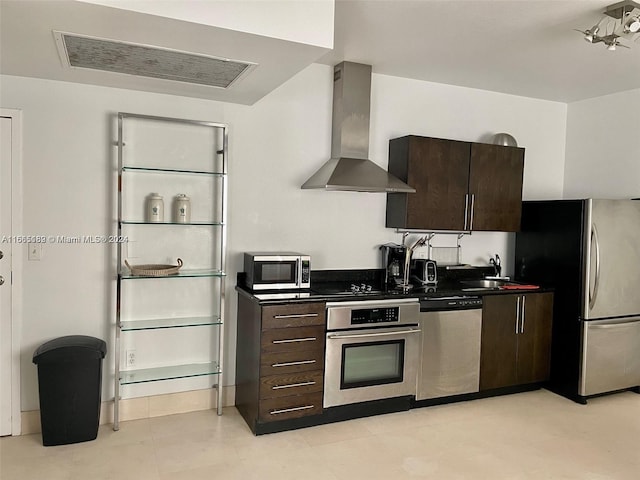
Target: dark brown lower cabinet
<point x="279" y="361"/>
<point x="516" y="339"/>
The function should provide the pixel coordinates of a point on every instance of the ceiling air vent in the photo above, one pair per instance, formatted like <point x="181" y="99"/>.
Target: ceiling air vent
<point x="147" y="61"/>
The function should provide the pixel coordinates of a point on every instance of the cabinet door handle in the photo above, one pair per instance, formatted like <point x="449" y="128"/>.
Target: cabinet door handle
<point x="523" y="310"/>
<point x="290" y="364"/>
<point x="473" y="213"/>
<point x="517" y="314"/>
<point x="466" y="211"/>
<point x="293" y="385"/>
<point x="295" y="340"/>
<point x="297" y="315"/>
<point x="294" y="409"/>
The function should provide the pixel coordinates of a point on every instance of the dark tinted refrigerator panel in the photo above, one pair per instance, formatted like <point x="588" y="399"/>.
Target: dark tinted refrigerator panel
<point x="549" y="252"/>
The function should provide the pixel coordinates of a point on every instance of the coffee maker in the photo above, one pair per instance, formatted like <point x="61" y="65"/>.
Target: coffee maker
<point x="393" y="262"/>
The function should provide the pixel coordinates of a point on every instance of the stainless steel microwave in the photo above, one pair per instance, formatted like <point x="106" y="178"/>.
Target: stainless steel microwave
<point x="277" y="270"/>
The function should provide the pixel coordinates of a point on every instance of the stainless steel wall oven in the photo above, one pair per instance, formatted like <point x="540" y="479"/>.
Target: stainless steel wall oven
<point x="372" y="350"/>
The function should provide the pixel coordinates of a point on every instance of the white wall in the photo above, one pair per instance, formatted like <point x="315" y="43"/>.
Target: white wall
<point x="308" y="21"/>
<point x="275" y="145"/>
<point x="285" y="138"/>
<point x="603" y="154"/>
<point x="68" y="167"/>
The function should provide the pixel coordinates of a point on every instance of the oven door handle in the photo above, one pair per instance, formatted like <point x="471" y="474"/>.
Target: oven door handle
<point x="368" y="335"/>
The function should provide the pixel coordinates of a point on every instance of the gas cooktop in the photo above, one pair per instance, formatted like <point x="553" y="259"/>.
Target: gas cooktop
<point x="353" y="289"/>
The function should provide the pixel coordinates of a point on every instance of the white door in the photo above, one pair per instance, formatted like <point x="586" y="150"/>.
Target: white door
<point x="5" y="276"/>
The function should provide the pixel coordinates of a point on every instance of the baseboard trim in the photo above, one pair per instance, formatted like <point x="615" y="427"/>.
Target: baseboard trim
<point x="147" y="407"/>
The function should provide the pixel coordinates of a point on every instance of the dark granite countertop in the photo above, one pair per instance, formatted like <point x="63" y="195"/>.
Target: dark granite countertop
<point x="333" y="285"/>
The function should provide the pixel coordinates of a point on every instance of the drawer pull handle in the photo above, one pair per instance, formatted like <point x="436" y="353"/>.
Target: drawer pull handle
<point x="295" y="340"/>
<point x="293" y="385"/>
<point x="290" y="364"/>
<point x="294" y="409"/>
<point x="297" y="315"/>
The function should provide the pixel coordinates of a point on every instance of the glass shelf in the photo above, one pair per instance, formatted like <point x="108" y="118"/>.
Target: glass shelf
<point x="141" y="222"/>
<point x="172" y="170"/>
<point x="158" y="323"/>
<point x="173" y="372"/>
<point x="203" y="272"/>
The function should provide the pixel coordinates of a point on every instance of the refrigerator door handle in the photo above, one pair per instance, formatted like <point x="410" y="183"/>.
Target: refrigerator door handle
<point x="594" y="240"/>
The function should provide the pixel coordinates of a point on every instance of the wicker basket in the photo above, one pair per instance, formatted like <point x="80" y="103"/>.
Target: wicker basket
<point x="154" y="270"/>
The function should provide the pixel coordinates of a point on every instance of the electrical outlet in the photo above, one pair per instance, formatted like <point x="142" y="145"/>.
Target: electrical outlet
<point x="421" y="253"/>
<point x="131" y="358"/>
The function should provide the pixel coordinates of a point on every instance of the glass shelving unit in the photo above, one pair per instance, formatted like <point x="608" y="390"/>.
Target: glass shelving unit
<point x="173" y="322"/>
<point x="181" y="274"/>
<point x="185" y="155"/>
<point x="172" y="372"/>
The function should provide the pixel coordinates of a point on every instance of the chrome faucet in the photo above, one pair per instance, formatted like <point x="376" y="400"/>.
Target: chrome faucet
<point x="497" y="266"/>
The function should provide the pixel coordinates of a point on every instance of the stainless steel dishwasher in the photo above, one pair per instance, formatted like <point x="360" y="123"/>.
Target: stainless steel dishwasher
<point x="450" y="342"/>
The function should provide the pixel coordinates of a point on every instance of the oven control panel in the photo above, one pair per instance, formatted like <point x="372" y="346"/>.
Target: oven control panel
<point x="372" y="314"/>
<point x="375" y="315"/>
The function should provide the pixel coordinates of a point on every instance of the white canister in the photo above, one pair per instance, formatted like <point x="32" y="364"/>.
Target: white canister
<point x="155" y="208"/>
<point x="182" y="208"/>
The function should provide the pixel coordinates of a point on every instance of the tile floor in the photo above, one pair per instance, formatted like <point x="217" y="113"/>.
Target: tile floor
<point x="534" y="435"/>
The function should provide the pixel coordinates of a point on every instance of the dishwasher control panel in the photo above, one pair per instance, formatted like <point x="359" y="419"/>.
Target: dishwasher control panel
<point x="462" y="302"/>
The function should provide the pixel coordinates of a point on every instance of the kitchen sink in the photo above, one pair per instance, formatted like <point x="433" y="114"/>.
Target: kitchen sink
<point x="485" y="284"/>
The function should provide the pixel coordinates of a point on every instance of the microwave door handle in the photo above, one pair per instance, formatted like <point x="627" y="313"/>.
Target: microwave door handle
<point x="299" y="272"/>
<point x="596" y="282"/>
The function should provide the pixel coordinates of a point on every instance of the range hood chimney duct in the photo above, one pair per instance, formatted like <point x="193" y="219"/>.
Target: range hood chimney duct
<point x="349" y="168"/>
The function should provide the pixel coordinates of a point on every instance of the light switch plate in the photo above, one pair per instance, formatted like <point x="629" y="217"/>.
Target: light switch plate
<point x="35" y="251"/>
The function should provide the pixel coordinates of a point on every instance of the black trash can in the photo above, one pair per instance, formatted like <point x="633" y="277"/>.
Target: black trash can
<point x="70" y="386"/>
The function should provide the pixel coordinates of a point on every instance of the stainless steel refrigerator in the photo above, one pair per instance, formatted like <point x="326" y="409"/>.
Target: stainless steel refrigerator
<point x="589" y="252"/>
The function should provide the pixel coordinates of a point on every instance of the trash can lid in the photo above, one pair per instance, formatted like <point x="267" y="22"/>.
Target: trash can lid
<point x="69" y="348"/>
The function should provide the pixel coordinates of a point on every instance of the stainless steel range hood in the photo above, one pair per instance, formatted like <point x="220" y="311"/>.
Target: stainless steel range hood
<point x="349" y="168"/>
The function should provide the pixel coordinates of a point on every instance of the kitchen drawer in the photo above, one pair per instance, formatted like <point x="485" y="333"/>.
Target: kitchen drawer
<point x="278" y="363"/>
<point x="290" y="339"/>
<point x="295" y="406"/>
<point x="294" y="315"/>
<point x="291" y="384"/>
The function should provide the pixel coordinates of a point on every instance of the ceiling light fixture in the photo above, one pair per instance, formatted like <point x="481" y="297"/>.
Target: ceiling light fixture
<point x="591" y="33"/>
<point x="632" y="25"/>
<point x="628" y="12"/>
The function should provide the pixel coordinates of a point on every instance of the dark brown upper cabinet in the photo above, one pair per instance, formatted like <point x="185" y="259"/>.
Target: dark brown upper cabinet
<point x="460" y="186"/>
